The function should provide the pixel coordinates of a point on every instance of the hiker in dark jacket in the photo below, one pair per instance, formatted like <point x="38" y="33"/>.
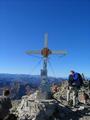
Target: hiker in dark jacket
<point x="74" y="83"/>
<point x="5" y="104"/>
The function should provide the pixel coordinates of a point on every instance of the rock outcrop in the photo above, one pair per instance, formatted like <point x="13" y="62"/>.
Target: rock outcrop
<point x="33" y="108"/>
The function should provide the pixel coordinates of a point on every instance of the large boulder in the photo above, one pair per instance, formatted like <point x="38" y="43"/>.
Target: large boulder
<point x="36" y="109"/>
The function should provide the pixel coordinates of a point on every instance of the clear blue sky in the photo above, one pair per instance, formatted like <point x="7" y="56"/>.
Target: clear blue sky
<point x="22" y="27"/>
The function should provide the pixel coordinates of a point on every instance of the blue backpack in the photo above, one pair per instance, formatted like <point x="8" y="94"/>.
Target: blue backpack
<point x="78" y="80"/>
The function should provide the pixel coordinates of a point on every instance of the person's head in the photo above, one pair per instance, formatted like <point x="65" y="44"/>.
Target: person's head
<point x="72" y="72"/>
<point x="6" y="92"/>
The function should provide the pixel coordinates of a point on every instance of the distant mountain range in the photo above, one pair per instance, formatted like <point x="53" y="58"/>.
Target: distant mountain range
<point x="21" y="84"/>
<point x="34" y="79"/>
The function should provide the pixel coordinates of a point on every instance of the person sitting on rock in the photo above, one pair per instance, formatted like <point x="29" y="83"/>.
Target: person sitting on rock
<point x="5" y="104"/>
<point x="74" y="84"/>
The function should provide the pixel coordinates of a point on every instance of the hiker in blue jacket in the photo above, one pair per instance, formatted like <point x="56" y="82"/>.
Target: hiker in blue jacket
<point x="74" y="83"/>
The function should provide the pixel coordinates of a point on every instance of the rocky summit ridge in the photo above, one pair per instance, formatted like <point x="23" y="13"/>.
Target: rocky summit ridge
<point x="33" y="108"/>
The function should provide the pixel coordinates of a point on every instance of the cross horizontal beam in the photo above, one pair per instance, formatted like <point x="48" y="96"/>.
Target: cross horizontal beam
<point x="61" y="52"/>
<point x="30" y="52"/>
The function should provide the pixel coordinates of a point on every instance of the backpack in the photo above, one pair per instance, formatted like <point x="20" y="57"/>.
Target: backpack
<point x="80" y="79"/>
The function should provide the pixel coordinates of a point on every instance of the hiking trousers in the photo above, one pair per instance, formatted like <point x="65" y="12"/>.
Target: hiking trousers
<point x="74" y="92"/>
